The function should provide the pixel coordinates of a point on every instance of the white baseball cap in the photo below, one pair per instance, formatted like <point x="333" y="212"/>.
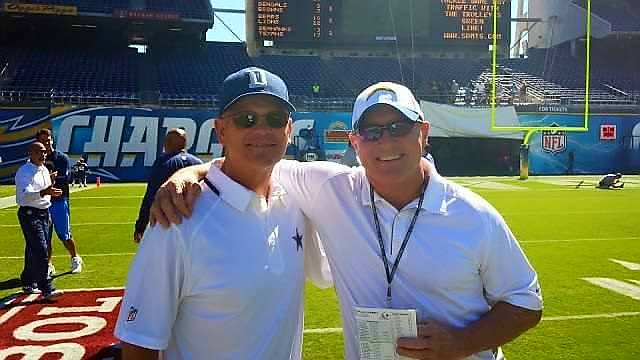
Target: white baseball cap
<point x="395" y="95"/>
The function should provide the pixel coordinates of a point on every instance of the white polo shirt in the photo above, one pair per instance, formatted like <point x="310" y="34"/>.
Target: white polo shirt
<point x="225" y="284"/>
<point x="460" y="260"/>
<point x="30" y="179"/>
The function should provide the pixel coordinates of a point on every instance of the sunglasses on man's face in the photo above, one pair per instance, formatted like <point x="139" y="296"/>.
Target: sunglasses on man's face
<point x="395" y="129"/>
<point x="274" y="120"/>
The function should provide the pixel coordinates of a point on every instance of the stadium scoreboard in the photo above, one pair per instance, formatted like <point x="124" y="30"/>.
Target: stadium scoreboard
<point x="375" y="23"/>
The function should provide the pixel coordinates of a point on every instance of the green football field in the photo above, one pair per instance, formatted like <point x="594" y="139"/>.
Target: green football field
<point x="575" y="237"/>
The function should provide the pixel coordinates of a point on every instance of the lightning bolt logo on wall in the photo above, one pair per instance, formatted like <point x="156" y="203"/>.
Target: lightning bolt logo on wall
<point x="18" y="127"/>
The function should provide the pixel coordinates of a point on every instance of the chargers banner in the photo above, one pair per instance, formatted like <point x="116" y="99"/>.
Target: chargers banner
<point x="122" y="143"/>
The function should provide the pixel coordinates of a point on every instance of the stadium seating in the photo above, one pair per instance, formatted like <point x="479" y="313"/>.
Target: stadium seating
<point x="61" y="72"/>
<point x="565" y="74"/>
<point x="303" y="73"/>
<point x="198" y="73"/>
<point x="180" y="76"/>
<point x="623" y="15"/>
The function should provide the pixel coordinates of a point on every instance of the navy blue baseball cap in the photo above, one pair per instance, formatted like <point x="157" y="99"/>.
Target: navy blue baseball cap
<point x="254" y="81"/>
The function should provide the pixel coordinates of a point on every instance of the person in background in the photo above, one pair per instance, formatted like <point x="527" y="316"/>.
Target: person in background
<point x="453" y="95"/>
<point x="34" y="190"/>
<point x="175" y="157"/>
<point x="611" y="181"/>
<point x="59" y="164"/>
<point x="350" y="158"/>
<point x="74" y="174"/>
<point x="83" y="169"/>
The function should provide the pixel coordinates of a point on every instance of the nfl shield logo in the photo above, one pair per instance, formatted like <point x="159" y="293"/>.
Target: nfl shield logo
<point x="133" y="312"/>
<point x="554" y="141"/>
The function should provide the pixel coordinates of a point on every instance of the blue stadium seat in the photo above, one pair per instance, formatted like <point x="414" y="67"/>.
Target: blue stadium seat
<point x="623" y="15"/>
<point x="196" y="74"/>
<point x="66" y="71"/>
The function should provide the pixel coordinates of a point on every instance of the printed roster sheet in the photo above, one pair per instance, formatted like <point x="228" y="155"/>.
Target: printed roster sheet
<point x="378" y="330"/>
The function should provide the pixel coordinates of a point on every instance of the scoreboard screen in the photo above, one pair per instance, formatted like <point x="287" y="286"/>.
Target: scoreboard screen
<point x="376" y="23"/>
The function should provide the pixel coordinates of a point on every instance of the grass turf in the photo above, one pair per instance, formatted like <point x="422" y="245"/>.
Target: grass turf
<point x="568" y="234"/>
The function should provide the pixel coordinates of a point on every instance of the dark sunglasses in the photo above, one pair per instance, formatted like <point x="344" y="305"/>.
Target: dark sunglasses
<point x="395" y="129"/>
<point x="274" y="120"/>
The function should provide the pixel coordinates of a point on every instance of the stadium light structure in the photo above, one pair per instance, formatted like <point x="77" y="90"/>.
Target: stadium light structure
<point x="531" y="130"/>
<point x="228" y="11"/>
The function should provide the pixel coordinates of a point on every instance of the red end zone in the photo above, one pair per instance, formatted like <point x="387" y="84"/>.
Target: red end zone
<point x="77" y="325"/>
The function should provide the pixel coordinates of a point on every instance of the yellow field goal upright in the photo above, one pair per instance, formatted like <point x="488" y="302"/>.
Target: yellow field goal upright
<point x="530" y="130"/>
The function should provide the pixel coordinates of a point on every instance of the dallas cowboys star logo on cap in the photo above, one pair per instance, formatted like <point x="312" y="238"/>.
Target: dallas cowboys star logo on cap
<point x="298" y="239"/>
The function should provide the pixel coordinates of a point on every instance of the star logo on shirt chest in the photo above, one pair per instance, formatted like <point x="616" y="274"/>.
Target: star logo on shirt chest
<point x="298" y="239"/>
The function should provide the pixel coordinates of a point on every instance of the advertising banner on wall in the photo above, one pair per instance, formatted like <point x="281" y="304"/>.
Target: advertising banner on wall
<point x="330" y="128"/>
<point x="121" y="143"/>
<point x="558" y="152"/>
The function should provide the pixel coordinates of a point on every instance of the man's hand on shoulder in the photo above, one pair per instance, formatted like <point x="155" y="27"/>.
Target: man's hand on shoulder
<point x="176" y="197"/>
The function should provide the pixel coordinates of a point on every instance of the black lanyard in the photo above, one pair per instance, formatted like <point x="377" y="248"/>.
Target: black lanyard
<point x="391" y="273"/>
<point x="212" y="187"/>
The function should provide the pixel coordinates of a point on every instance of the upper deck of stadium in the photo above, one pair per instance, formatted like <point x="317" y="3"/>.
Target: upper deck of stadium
<point x="99" y="71"/>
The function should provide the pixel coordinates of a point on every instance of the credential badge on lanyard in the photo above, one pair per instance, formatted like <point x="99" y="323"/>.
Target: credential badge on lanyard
<point x="257" y="79"/>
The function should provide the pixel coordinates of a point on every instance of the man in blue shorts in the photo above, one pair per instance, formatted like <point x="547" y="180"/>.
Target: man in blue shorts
<point x="59" y="164"/>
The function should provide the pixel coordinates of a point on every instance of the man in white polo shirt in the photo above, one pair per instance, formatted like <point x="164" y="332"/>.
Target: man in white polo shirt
<point x="34" y="190"/>
<point x="228" y="283"/>
<point x="399" y="235"/>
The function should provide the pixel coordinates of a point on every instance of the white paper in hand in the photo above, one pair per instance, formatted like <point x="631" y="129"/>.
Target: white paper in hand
<point x="378" y="330"/>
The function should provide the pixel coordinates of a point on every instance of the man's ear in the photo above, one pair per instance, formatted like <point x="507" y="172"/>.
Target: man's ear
<point x="355" y="141"/>
<point x="425" y="130"/>
<point x="289" y="130"/>
<point x="219" y="127"/>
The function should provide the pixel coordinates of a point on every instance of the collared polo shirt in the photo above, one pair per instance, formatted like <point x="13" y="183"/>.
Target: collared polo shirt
<point x="30" y="180"/>
<point x="227" y="283"/>
<point x="461" y="258"/>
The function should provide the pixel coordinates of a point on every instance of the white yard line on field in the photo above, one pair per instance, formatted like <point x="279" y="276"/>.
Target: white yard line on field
<point x="66" y="256"/>
<point x="10" y="201"/>
<point x="578" y="240"/>
<point x="76" y="224"/>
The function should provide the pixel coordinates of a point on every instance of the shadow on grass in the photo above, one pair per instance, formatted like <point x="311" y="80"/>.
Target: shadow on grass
<point x="61" y="274"/>
<point x="15" y="283"/>
<point x="13" y="300"/>
<point x="10" y="284"/>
